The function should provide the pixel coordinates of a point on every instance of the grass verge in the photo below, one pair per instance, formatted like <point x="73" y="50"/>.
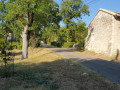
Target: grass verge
<point x="45" y="70"/>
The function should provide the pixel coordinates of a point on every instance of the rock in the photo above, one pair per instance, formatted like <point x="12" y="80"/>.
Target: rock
<point x="84" y="74"/>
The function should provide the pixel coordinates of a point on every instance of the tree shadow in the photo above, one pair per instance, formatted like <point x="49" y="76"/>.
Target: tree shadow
<point x="18" y="53"/>
<point x="59" y="74"/>
<point x="109" y="69"/>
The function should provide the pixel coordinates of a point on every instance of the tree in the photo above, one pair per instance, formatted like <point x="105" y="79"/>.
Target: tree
<point x="72" y="9"/>
<point x="51" y="26"/>
<point x="50" y="33"/>
<point x="2" y="14"/>
<point x="27" y="15"/>
<point x="3" y="28"/>
<point x="80" y="32"/>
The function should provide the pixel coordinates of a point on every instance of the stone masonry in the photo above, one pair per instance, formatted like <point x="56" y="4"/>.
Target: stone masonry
<point x="104" y="33"/>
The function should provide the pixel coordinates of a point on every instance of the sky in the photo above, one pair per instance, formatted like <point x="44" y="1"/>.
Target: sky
<point x="94" y="6"/>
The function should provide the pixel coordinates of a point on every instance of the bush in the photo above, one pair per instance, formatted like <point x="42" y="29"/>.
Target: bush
<point x="57" y="44"/>
<point x="19" y="47"/>
<point x="54" y="43"/>
<point x="10" y="47"/>
<point x="14" y="46"/>
<point x="80" y="45"/>
<point x="68" y="44"/>
<point x="2" y="40"/>
<point x="15" y="43"/>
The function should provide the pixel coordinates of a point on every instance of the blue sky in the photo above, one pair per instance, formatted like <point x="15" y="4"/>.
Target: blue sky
<point x="95" y="5"/>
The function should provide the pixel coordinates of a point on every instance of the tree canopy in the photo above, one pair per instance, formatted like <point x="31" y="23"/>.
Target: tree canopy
<point x="72" y="9"/>
<point x="26" y="18"/>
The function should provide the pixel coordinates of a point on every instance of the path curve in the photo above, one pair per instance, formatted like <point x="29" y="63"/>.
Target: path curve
<point x="109" y="69"/>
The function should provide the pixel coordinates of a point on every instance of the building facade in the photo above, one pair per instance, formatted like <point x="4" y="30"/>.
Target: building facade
<point x="104" y="33"/>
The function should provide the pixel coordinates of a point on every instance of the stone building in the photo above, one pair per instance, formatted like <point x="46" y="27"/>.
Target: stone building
<point x="10" y="37"/>
<point x="104" y="33"/>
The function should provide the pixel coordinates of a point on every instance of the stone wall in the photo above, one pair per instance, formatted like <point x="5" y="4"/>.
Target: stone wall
<point x="100" y="34"/>
<point x="116" y="37"/>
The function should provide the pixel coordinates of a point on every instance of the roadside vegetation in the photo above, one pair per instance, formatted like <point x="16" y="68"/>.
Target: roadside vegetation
<point x="38" y="20"/>
<point x="24" y="24"/>
<point x="45" y="70"/>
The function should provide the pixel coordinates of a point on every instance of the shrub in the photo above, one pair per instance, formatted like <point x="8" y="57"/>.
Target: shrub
<point x="10" y="47"/>
<point x="19" y="47"/>
<point x="68" y="44"/>
<point x="57" y="44"/>
<point x="54" y="43"/>
<point x="15" y="43"/>
<point x="80" y="45"/>
<point x="2" y="40"/>
<point x="14" y="46"/>
<point x="38" y="44"/>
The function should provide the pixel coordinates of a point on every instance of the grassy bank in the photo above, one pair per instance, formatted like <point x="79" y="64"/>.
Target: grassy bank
<point x="45" y="70"/>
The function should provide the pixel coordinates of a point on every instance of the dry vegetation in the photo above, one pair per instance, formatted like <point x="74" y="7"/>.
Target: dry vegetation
<point x="45" y="70"/>
<point x="97" y="55"/>
<point x="101" y="56"/>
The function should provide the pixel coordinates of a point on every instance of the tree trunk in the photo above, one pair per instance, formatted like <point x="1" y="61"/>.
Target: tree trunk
<point x="67" y="33"/>
<point x="25" y="43"/>
<point x="25" y="37"/>
<point x="67" y="38"/>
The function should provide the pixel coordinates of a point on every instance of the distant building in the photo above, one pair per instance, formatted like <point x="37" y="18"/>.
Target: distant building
<point x="10" y="37"/>
<point x="104" y="33"/>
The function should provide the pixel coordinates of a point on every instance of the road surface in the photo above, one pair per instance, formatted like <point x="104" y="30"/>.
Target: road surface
<point x="109" y="69"/>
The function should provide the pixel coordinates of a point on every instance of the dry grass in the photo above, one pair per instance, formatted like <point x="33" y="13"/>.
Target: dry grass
<point x="97" y="55"/>
<point x="45" y="70"/>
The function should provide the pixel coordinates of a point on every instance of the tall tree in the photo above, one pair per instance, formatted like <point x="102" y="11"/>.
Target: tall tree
<point x="26" y="14"/>
<point x="50" y="33"/>
<point x="72" y="9"/>
<point x="3" y="27"/>
<point x="2" y="14"/>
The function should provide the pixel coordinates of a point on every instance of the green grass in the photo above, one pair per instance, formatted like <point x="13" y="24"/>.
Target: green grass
<point x="45" y="70"/>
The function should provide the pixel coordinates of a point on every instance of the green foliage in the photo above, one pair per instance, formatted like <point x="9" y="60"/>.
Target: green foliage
<point x="8" y="61"/>
<point x="6" y="58"/>
<point x="50" y="33"/>
<point x="54" y="43"/>
<point x="68" y="44"/>
<point x="77" y="33"/>
<point x="72" y="9"/>
<point x="62" y="35"/>
<point x="32" y="41"/>
<point x="2" y="40"/>
<point x="64" y="45"/>
<point x="10" y="47"/>
<point x="57" y="44"/>
<point x="19" y="47"/>
<point x="37" y="15"/>
<point x="80" y="32"/>
<point x="80" y="45"/>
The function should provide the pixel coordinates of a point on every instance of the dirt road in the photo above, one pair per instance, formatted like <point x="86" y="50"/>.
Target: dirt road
<point x="109" y="69"/>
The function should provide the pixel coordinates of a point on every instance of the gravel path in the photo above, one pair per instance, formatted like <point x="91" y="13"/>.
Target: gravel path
<point x="109" y="69"/>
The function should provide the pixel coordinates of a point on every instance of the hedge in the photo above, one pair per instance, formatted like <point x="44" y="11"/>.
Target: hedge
<point x="68" y="44"/>
<point x="57" y="44"/>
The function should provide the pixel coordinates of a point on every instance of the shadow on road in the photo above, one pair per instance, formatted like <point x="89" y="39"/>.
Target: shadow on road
<point x="109" y="69"/>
